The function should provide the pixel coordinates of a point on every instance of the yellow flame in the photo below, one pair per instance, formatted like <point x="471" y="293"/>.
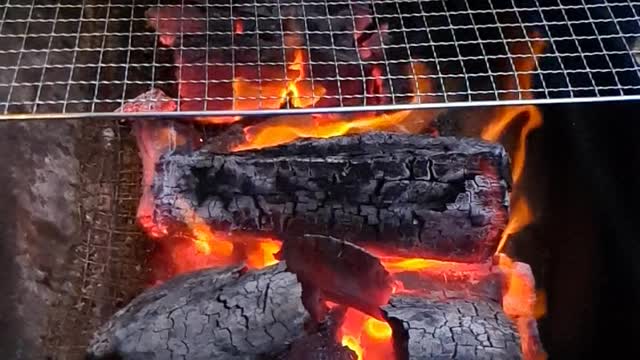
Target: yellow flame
<point x="353" y="344"/>
<point x="286" y="129"/>
<point x="378" y="330"/>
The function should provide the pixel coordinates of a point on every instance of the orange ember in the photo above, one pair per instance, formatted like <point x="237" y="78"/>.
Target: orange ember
<point x="238" y="26"/>
<point x="377" y="329"/>
<point x="262" y="253"/>
<point x="369" y="338"/>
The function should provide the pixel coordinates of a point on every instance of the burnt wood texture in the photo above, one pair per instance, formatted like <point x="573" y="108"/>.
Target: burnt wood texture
<point x="461" y="329"/>
<point x="220" y="314"/>
<point x="441" y="197"/>
<point x="336" y="270"/>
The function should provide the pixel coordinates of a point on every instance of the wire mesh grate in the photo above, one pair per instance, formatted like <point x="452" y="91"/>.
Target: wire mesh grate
<point x="85" y="59"/>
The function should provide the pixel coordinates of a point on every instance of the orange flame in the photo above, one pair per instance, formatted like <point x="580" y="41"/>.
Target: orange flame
<point x="273" y="94"/>
<point x="262" y="253"/>
<point x="283" y="130"/>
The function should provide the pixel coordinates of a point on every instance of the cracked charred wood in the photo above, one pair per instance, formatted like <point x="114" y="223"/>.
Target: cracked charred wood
<point x="318" y="347"/>
<point x="208" y="314"/>
<point x="456" y="284"/>
<point x="438" y="197"/>
<point x="323" y="344"/>
<point x="454" y="328"/>
<point x="335" y="270"/>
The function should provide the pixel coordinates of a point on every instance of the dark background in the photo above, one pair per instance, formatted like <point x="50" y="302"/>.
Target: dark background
<point x="582" y="177"/>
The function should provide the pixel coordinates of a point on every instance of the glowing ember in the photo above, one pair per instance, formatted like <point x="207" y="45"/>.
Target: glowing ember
<point x="494" y="130"/>
<point x="353" y="344"/>
<point x="377" y="329"/>
<point x="369" y="338"/>
<point x="262" y="253"/>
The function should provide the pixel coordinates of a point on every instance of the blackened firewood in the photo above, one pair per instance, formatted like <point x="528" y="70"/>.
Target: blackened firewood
<point x="318" y="347"/>
<point x="454" y="328"/>
<point x="443" y="198"/>
<point x="478" y="283"/>
<point x="338" y="271"/>
<point x="209" y="314"/>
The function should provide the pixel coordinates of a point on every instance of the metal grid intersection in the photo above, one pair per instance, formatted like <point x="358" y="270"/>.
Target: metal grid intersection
<point x="78" y="59"/>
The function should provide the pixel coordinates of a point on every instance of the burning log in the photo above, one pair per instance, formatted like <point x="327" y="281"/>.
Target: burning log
<point x="460" y="328"/>
<point x="442" y="198"/>
<point x="338" y="271"/>
<point x="208" y="314"/>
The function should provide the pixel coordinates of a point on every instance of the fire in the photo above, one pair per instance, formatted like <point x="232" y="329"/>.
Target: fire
<point x="262" y="253"/>
<point x="296" y="89"/>
<point x="353" y="344"/>
<point x="282" y="130"/>
<point x="369" y="338"/>
<point x="377" y="329"/>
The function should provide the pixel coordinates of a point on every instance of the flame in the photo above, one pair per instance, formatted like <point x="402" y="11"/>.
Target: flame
<point x="377" y="329"/>
<point x="203" y="238"/>
<point x="299" y="91"/>
<point x="283" y="130"/>
<point x="506" y="116"/>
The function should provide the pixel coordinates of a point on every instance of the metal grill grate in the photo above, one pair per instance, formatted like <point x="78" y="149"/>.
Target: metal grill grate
<point x="71" y="59"/>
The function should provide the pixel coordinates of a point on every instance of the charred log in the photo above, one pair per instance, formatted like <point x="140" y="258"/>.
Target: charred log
<point x="318" y="347"/>
<point x="209" y="314"/>
<point x="338" y="271"/>
<point x="455" y="328"/>
<point x="442" y="198"/>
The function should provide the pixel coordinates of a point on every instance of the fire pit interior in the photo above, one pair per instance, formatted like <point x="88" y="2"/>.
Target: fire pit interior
<point x="315" y="179"/>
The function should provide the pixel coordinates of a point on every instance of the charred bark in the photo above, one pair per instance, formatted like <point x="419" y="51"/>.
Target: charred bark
<point x="338" y="271"/>
<point x="452" y="329"/>
<point x="444" y="198"/>
<point x="209" y="314"/>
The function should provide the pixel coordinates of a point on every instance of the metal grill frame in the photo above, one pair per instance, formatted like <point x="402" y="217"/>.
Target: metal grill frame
<point x="98" y="106"/>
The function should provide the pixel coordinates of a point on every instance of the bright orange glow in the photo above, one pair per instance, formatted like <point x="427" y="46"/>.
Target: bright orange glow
<point x="283" y="130"/>
<point x="505" y="117"/>
<point x="521" y="214"/>
<point x="262" y="253"/>
<point x="204" y="239"/>
<point x="396" y="264"/>
<point x="369" y="338"/>
<point x="353" y="344"/>
<point x="377" y="329"/>
<point x="299" y="91"/>
<point x="273" y="94"/>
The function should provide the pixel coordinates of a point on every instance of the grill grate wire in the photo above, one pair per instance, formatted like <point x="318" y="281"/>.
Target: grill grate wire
<point x="58" y="59"/>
